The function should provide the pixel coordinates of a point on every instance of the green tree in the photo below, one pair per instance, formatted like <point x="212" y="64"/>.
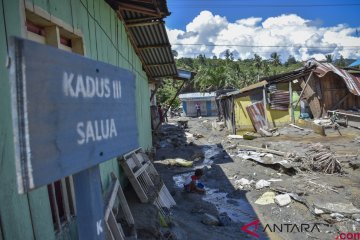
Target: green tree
<point x="341" y="62"/>
<point x="275" y="58"/>
<point x="329" y="58"/>
<point x="291" y="60"/>
<point x="167" y="92"/>
<point x="257" y="62"/>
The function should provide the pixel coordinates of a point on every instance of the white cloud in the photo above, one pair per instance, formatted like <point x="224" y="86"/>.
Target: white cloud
<point x="302" y="35"/>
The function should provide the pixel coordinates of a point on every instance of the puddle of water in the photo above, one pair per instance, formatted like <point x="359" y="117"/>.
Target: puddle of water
<point x="239" y="210"/>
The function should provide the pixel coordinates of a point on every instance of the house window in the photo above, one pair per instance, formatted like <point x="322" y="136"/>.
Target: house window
<point x="61" y="193"/>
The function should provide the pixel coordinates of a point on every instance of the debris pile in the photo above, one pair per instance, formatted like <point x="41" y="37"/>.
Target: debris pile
<point x="322" y="159"/>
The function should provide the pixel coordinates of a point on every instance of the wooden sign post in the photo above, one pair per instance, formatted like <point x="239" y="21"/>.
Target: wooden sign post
<point x="70" y="113"/>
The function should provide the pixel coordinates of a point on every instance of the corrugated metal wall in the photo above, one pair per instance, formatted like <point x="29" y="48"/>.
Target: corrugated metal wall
<point x="29" y="216"/>
<point x="276" y="118"/>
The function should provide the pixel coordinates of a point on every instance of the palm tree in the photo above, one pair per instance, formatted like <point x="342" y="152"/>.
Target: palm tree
<point x="275" y="58"/>
<point x="257" y="63"/>
<point x="329" y="58"/>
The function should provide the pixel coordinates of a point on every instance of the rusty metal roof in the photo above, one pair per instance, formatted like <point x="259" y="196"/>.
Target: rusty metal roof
<point x="352" y="81"/>
<point x="146" y="29"/>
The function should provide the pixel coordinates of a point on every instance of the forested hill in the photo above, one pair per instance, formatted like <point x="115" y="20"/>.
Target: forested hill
<point x="228" y="73"/>
<point x="214" y="73"/>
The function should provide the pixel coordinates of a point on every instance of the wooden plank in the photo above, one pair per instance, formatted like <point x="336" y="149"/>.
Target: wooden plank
<point x="42" y="4"/>
<point x="56" y="207"/>
<point x="292" y="117"/>
<point x="72" y="194"/>
<point x="112" y="198"/>
<point x="123" y="203"/>
<point x="303" y="88"/>
<point x="116" y="230"/>
<point x="315" y="127"/>
<point x="340" y="102"/>
<point x="65" y="199"/>
<point x="61" y="11"/>
<point x="264" y="105"/>
<point x="52" y="36"/>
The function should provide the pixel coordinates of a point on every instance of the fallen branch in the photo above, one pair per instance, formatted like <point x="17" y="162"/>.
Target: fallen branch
<point x="266" y="150"/>
<point x="295" y="126"/>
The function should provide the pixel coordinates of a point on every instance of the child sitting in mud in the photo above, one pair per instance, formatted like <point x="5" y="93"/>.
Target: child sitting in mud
<point x="193" y="185"/>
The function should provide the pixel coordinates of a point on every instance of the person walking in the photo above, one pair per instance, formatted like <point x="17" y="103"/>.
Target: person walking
<point x="198" y="110"/>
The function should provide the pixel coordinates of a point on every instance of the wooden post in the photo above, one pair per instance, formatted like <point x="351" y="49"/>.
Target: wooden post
<point x="89" y="204"/>
<point x="302" y="92"/>
<point x="292" y="117"/>
<point x="264" y="103"/>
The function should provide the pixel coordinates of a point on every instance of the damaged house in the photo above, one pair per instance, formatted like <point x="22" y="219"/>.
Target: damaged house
<point x="313" y="91"/>
<point x="243" y="110"/>
<point x="331" y="90"/>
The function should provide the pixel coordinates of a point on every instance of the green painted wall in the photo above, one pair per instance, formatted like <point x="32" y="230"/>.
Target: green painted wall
<point x="28" y="216"/>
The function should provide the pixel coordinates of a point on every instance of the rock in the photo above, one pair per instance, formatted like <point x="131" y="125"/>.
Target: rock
<point x="282" y="199"/>
<point x="209" y="219"/>
<point x="231" y="147"/>
<point x="225" y="220"/>
<point x="336" y="215"/>
<point x="189" y="135"/>
<point x="356" y="217"/>
<point x="261" y="184"/>
<point x="265" y="133"/>
<point x="345" y="208"/>
<point x="218" y="125"/>
<point x="266" y="198"/>
<point x="318" y="211"/>
<point x="242" y="181"/>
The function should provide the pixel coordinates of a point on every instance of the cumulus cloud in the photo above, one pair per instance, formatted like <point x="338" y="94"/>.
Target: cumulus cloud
<point x="211" y="35"/>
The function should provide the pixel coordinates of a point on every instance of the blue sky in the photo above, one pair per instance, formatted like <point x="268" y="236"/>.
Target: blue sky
<point x="183" y="11"/>
<point x="331" y="28"/>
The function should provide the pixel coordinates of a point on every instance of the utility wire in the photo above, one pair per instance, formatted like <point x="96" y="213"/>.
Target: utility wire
<point x="225" y="5"/>
<point x="261" y="46"/>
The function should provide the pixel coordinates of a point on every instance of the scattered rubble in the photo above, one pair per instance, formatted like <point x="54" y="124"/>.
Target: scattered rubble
<point x="261" y="184"/>
<point x="322" y="159"/>
<point x="282" y="199"/>
<point x="266" y="198"/>
<point x="309" y="192"/>
<point x="356" y="217"/>
<point x="345" y="208"/>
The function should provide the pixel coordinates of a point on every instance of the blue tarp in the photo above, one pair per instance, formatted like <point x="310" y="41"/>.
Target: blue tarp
<point x="356" y="63"/>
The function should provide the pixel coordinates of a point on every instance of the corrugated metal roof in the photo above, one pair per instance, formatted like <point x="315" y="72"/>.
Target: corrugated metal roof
<point x="352" y="82"/>
<point x="197" y="95"/>
<point x="146" y="29"/>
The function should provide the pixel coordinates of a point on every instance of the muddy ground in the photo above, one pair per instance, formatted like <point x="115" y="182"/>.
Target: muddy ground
<point x="234" y="204"/>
